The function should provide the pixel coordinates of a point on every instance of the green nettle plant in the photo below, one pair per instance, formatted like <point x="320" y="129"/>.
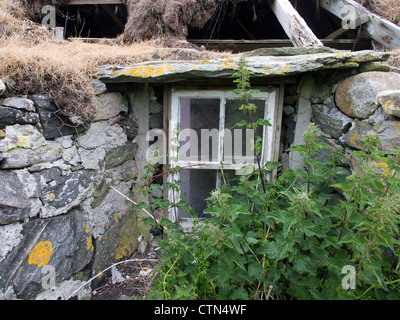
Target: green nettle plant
<point x="321" y="232"/>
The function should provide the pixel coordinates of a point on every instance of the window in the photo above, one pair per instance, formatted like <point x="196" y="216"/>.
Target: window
<point x="203" y="140"/>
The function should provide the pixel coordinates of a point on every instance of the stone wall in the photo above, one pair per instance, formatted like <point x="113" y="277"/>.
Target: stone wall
<point x="60" y="223"/>
<point x="346" y="105"/>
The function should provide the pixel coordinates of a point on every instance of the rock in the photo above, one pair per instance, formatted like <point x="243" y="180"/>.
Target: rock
<point x="156" y="121"/>
<point x="101" y="190"/>
<point x="91" y="159"/>
<point x="155" y="107"/>
<point x="390" y="102"/>
<point x="117" y="242"/>
<point x="2" y="88"/>
<point x="102" y="135"/>
<point x="54" y="124"/>
<point x="389" y="134"/>
<point x="59" y="244"/>
<point x="117" y="156"/>
<point x="99" y="87"/>
<point x="10" y="116"/>
<point x="18" y="158"/>
<point x="110" y="105"/>
<point x="19" y="103"/>
<point x="10" y="236"/>
<point x="261" y="66"/>
<point x="130" y="126"/>
<point x="63" y="290"/>
<point x="65" y="193"/>
<point x="330" y="119"/>
<point x="357" y="95"/>
<point x="355" y="136"/>
<point x="14" y="204"/>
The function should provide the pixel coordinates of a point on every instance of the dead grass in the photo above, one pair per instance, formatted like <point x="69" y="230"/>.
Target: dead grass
<point x="31" y="62"/>
<point x="389" y="9"/>
<point x="394" y="60"/>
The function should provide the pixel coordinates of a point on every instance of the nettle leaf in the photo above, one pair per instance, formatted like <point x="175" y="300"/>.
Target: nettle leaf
<point x="256" y="270"/>
<point x="303" y="264"/>
<point x="251" y="238"/>
<point x="240" y="294"/>
<point x="280" y="248"/>
<point x="290" y="219"/>
<point x="310" y="229"/>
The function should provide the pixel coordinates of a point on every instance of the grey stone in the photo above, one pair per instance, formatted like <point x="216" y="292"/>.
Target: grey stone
<point x="14" y="204"/>
<point x="130" y="126"/>
<point x="156" y="121"/>
<point x="155" y="107"/>
<point x="99" y="87"/>
<point x="91" y="159"/>
<point x="261" y="66"/>
<point x="288" y="110"/>
<point x="54" y="124"/>
<point x="19" y="103"/>
<point x="10" y="116"/>
<point x="60" y="242"/>
<point x="389" y="134"/>
<point x="357" y="95"/>
<point x="65" y="193"/>
<point x="102" y="135"/>
<point x="355" y="136"/>
<point x="330" y="120"/>
<point x="117" y="156"/>
<point x="390" y="102"/>
<point x="110" y="105"/>
<point x="21" y="157"/>
<point x="10" y="236"/>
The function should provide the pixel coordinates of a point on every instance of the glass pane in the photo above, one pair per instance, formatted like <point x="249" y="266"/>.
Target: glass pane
<point x="199" y="129"/>
<point x="197" y="185"/>
<point x="238" y="141"/>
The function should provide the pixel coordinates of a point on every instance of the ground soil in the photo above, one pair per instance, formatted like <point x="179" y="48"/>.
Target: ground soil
<point x="138" y="276"/>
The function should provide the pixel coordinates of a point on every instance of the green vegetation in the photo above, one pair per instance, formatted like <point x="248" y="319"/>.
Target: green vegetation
<point x="321" y="232"/>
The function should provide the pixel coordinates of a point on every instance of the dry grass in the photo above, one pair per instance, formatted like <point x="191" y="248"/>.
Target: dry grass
<point x="394" y="60"/>
<point x="389" y="9"/>
<point x="32" y="62"/>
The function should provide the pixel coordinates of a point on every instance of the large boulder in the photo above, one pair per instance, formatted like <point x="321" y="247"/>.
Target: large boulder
<point x="357" y="95"/>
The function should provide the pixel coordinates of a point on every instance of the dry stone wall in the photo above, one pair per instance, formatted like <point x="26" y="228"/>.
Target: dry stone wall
<point x="60" y="223"/>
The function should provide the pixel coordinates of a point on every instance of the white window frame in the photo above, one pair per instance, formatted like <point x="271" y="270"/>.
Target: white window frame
<point x="270" y="133"/>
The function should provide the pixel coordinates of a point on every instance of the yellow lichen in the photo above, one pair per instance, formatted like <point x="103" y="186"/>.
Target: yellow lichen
<point x="276" y="70"/>
<point x="41" y="253"/>
<point x="228" y="63"/>
<point x="89" y="245"/>
<point x="52" y="197"/>
<point x="117" y="217"/>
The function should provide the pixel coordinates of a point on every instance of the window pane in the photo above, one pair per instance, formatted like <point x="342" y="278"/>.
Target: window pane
<point x="197" y="187"/>
<point x="200" y="129"/>
<point x="238" y="141"/>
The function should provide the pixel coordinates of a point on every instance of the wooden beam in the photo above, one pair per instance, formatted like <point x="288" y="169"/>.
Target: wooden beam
<point x="91" y="2"/>
<point x="380" y="29"/>
<point x="294" y="25"/>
